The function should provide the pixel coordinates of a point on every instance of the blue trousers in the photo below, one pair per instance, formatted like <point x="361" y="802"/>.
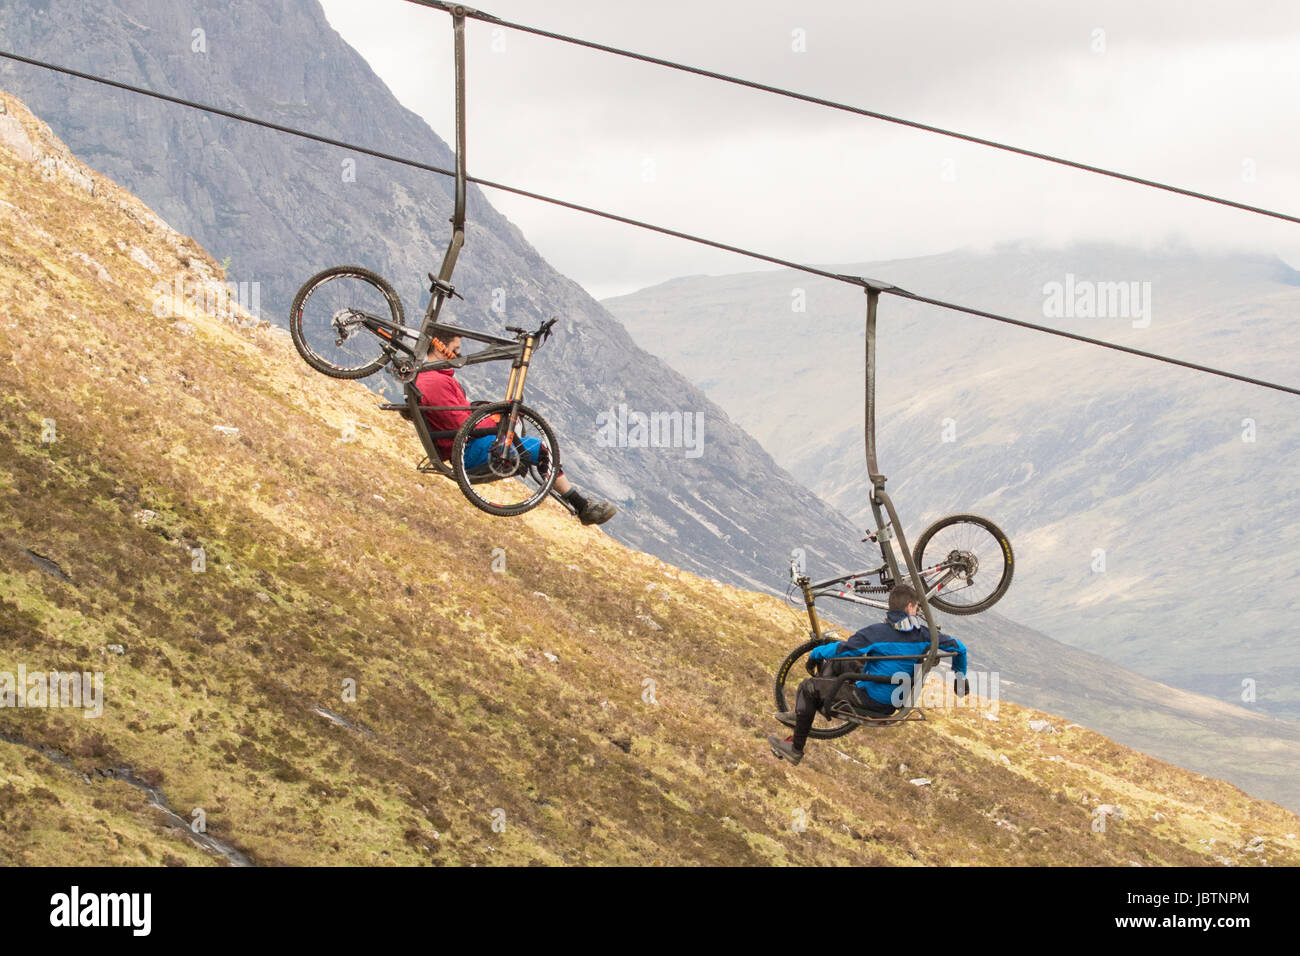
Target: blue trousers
<point x="476" y="452"/>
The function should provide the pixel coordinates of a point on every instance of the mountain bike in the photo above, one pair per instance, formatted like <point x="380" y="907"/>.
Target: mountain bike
<point x="347" y="322"/>
<point x="964" y="563"/>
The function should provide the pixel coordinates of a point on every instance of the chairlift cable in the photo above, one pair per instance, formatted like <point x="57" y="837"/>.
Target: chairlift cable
<point x="663" y="230"/>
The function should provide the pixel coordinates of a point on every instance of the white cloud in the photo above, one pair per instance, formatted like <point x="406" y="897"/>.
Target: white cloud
<point x="1196" y="97"/>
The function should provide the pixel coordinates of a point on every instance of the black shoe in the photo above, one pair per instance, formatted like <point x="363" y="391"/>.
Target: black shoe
<point x="789" y="718"/>
<point x="597" y="512"/>
<point x="785" y="749"/>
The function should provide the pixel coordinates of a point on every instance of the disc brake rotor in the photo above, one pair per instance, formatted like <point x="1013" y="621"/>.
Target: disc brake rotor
<point x="964" y="563"/>
<point x="344" y="320"/>
<point x="504" y="462"/>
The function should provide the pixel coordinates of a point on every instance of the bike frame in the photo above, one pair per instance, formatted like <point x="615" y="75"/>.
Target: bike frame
<point x="844" y="587"/>
<point x="518" y="351"/>
<point x="926" y="661"/>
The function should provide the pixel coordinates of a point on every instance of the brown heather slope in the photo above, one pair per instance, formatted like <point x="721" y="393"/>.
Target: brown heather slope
<point x="482" y="697"/>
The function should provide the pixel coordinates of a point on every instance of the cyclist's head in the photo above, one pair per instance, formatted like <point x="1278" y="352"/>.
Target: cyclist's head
<point x="444" y="345"/>
<point x="902" y="598"/>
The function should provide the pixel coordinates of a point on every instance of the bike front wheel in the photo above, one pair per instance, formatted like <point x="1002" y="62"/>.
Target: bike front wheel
<point x="519" y="467"/>
<point x="969" y="558"/>
<point x="788" y="678"/>
<point x="327" y="321"/>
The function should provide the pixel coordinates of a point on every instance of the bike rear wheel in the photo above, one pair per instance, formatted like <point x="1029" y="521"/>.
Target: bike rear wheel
<point x="973" y="554"/>
<point x="326" y="321"/>
<point x="507" y="484"/>
<point x="787" y="687"/>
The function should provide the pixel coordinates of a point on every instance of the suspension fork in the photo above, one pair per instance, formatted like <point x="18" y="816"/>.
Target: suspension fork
<point x="519" y="372"/>
<point x="515" y="392"/>
<point x="809" y="602"/>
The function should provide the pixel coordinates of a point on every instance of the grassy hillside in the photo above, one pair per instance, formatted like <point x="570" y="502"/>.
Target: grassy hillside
<point x="1252" y="750"/>
<point x="500" y="716"/>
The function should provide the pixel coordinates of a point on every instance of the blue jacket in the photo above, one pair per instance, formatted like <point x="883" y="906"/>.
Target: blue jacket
<point x="896" y="636"/>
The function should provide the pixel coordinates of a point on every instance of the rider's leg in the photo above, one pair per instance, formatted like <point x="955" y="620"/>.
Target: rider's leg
<point x="476" y="456"/>
<point x="807" y="703"/>
<point x="533" y="447"/>
<point x="588" y="511"/>
<point x="476" y="452"/>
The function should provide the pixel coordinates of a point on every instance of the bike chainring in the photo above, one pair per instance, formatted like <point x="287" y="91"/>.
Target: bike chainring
<point x="402" y="369"/>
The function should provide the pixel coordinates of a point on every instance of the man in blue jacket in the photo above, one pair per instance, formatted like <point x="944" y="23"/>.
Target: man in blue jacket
<point x="900" y="635"/>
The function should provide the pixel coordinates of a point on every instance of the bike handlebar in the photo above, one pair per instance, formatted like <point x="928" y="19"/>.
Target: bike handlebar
<point x="543" y="331"/>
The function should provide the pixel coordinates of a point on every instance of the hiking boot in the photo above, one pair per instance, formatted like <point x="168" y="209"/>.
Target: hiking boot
<point x="785" y="750"/>
<point x="788" y="718"/>
<point x="597" y="512"/>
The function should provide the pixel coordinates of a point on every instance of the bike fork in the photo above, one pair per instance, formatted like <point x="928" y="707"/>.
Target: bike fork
<point x="811" y="605"/>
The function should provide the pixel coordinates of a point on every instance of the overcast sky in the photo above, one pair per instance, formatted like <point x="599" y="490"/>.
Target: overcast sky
<point x="1202" y="95"/>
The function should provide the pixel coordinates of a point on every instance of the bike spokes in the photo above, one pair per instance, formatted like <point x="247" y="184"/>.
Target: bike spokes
<point x="341" y="321"/>
<point x="510" y="473"/>
<point x="967" y="560"/>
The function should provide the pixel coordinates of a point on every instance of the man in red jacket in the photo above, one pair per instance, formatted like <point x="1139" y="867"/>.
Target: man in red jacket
<point x="439" y="387"/>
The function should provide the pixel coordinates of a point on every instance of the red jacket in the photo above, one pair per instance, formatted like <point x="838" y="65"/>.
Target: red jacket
<point x="439" y="387"/>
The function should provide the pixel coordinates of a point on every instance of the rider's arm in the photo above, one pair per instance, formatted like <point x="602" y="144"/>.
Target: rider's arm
<point x="947" y="643"/>
<point x="824" y="651"/>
